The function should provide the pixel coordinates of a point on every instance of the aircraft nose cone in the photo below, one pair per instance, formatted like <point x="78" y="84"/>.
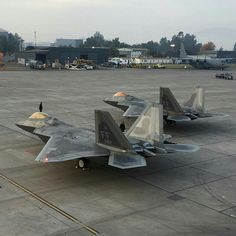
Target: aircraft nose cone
<point x="25" y="127"/>
<point x="110" y="102"/>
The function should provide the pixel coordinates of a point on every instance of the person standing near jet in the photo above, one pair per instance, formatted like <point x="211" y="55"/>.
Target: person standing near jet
<point x="41" y="107"/>
<point x="122" y="126"/>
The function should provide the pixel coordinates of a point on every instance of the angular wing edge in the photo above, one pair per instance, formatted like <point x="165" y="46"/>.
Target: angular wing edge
<point x="132" y="111"/>
<point x="53" y="151"/>
<point x="45" y="153"/>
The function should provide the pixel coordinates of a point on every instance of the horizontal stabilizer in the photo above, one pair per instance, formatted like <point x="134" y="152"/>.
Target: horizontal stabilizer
<point x="181" y="147"/>
<point x="178" y="118"/>
<point x="126" y="160"/>
<point x="215" y="115"/>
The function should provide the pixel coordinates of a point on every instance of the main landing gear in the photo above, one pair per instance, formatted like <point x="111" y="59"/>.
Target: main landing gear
<point x="170" y="122"/>
<point x="82" y="163"/>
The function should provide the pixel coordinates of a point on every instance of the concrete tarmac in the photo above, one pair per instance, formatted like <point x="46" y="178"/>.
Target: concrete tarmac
<point x="176" y="194"/>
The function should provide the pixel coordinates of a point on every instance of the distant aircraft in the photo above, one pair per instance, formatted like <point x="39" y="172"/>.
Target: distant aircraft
<point x="64" y="142"/>
<point x="200" y="62"/>
<point x="172" y="111"/>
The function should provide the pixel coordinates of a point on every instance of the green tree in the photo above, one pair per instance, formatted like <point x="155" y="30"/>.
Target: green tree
<point x="191" y="45"/>
<point x="209" y="46"/>
<point x="3" y="44"/>
<point x="97" y="40"/>
<point x="152" y="47"/>
<point x="164" y="47"/>
<point x="11" y="44"/>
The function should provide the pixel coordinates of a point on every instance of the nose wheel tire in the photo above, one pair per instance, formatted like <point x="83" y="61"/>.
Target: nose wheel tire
<point x="82" y="163"/>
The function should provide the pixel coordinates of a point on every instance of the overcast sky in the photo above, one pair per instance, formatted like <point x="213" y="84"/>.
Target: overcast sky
<point x="133" y="21"/>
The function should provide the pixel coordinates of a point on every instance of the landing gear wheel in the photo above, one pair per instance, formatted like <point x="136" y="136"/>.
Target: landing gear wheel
<point x="82" y="163"/>
<point x="171" y="122"/>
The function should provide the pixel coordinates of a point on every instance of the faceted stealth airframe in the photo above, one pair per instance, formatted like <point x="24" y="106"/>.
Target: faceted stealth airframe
<point x="65" y="142"/>
<point x="172" y="111"/>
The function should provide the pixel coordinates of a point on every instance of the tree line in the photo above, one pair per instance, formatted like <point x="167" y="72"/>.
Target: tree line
<point x="164" y="48"/>
<point x="10" y="44"/>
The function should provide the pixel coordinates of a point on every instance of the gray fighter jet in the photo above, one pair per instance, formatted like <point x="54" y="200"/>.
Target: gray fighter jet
<point x="192" y="109"/>
<point x="64" y="142"/>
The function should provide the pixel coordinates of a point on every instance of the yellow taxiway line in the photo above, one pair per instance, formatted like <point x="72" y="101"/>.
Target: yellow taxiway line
<point x="57" y="209"/>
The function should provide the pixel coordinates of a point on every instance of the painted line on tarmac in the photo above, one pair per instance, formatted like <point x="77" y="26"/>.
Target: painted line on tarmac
<point x="50" y="205"/>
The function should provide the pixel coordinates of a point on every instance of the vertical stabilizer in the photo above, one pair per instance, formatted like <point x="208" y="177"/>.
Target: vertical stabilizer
<point x="182" y="53"/>
<point x="108" y="134"/>
<point x="149" y="125"/>
<point x="197" y="100"/>
<point x="169" y="102"/>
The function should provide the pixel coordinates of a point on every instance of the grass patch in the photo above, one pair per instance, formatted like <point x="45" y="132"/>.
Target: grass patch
<point x="178" y="66"/>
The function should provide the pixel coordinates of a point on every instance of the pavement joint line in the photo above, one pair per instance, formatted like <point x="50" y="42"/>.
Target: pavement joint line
<point x="181" y="165"/>
<point x="199" y="185"/>
<point x="203" y="205"/>
<point x="50" y="205"/>
<point x="188" y="199"/>
<point x="232" y="207"/>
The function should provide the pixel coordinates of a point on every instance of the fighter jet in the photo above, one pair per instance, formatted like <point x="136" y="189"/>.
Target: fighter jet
<point x="202" y="62"/>
<point x="64" y="142"/>
<point x="172" y="111"/>
<point x="192" y="109"/>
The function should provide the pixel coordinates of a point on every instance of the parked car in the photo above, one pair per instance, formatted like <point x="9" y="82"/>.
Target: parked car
<point x="33" y="64"/>
<point x="159" y="66"/>
<point x="225" y="75"/>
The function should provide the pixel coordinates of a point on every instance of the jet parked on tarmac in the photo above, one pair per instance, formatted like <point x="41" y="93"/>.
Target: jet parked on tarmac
<point x="64" y="142"/>
<point x="192" y="109"/>
<point x="172" y="111"/>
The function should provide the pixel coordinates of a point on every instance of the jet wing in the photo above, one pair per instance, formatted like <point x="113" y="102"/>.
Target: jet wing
<point x="133" y="111"/>
<point x="69" y="147"/>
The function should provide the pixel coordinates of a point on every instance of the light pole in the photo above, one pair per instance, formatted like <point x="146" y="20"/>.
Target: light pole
<point x="172" y="49"/>
<point x="35" y="39"/>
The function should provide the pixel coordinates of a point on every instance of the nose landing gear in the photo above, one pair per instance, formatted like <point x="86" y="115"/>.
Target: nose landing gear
<point x="82" y="163"/>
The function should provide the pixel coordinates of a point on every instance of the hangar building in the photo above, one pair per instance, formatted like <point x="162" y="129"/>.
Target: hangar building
<point x="63" y="54"/>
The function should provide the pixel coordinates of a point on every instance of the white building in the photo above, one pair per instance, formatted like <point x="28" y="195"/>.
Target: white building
<point x="132" y="52"/>
<point x="75" y="43"/>
<point x="151" y="60"/>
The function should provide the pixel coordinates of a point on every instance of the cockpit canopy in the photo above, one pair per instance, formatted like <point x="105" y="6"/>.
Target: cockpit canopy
<point x="39" y="116"/>
<point x="120" y="94"/>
